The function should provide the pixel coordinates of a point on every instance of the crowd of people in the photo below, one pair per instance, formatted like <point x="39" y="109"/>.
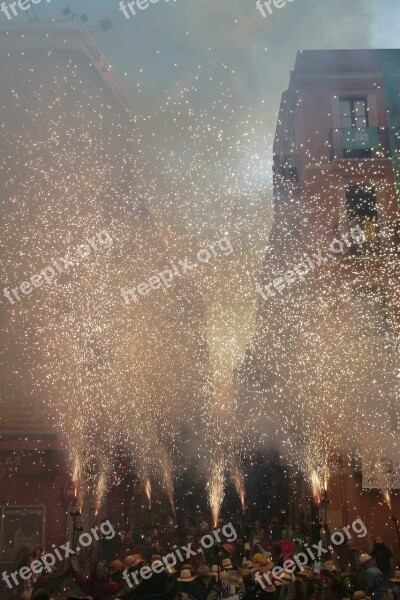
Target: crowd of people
<point x="230" y="570"/>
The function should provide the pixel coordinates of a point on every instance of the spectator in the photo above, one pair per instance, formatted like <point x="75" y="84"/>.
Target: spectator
<point x="382" y="555"/>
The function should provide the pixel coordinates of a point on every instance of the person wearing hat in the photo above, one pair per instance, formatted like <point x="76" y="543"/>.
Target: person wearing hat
<point x="382" y="555"/>
<point x="234" y="578"/>
<point x="247" y="573"/>
<point x="333" y="581"/>
<point x="395" y="582"/>
<point x="263" y="589"/>
<point x="287" y="545"/>
<point x="360" y="595"/>
<point x="116" y="566"/>
<point x="373" y="577"/>
<point x="185" y="585"/>
<point x="201" y="585"/>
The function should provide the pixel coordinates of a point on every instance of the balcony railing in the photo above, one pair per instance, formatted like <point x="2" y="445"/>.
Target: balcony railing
<point x="359" y="142"/>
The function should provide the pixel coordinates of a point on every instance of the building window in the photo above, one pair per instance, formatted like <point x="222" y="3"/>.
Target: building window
<point x="354" y="115"/>
<point x="353" y="112"/>
<point x="21" y="527"/>
<point x="362" y="210"/>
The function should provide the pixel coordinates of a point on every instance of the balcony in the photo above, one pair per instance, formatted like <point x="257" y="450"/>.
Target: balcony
<point x="359" y="143"/>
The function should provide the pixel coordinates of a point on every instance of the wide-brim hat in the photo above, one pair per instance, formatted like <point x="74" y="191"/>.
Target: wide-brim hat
<point x="306" y="572"/>
<point x="265" y="565"/>
<point x="364" y="558"/>
<point x="247" y="565"/>
<point x="186" y="575"/>
<point x="360" y="595"/>
<point x="203" y="573"/>
<point x="116" y="566"/>
<point x="155" y="557"/>
<point x="257" y="557"/>
<point x="286" y="577"/>
<point x="329" y="565"/>
<point x="396" y="577"/>
<point x="132" y="560"/>
<point x="227" y="563"/>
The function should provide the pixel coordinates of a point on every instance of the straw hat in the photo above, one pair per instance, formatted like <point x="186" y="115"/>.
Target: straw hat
<point x="306" y="572"/>
<point x="203" y="573"/>
<point x="329" y="565"/>
<point x="155" y="557"/>
<point x="132" y="560"/>
<point x="396" y="577"/>
<point x="257" y="557"/>
<point x="215" y="570"/>
<point x="247" y="574"/>
<point x="265" y="565"/>
<point x="227" y="564"/>
<point x="186" y="575"/>
<point x="364" y="558"/>
<point x="286" y="577"/>
<point x="360" y="595"/>
<point x="247" y="565"/>
<point x="116" y="566"/>
<point x="269" y="588"/>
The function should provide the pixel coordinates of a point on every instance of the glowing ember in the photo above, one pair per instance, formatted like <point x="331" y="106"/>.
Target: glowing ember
<point x="147" y="490"/>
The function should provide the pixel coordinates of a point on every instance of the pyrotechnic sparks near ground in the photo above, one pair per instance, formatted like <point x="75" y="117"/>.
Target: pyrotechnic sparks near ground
<point x="215" y="487"/>
<point x="237" y="477"/>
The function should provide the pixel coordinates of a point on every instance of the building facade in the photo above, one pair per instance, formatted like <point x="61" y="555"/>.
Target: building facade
<point x="51" y="78"/>
<point x="325" y="357"/>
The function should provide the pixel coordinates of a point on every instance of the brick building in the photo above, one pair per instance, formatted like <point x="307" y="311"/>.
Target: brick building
<point x="325" y="357"/>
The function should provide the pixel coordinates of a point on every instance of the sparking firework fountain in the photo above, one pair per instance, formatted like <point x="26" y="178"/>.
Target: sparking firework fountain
<point x="216" y="491"/>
